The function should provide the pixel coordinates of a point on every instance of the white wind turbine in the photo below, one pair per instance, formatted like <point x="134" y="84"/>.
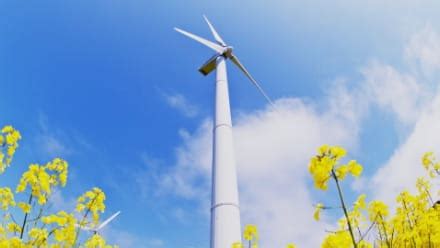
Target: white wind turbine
<point x="225" y="211"/>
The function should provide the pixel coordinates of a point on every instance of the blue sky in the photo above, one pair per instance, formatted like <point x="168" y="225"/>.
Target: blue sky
<point x="110" y="87"/>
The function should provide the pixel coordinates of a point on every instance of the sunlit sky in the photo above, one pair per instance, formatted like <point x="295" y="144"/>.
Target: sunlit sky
<point x="113" y="89"/>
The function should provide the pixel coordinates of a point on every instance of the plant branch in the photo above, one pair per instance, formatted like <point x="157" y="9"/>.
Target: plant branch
<point x="25" y="218"/>
<point x="341" y="198"/>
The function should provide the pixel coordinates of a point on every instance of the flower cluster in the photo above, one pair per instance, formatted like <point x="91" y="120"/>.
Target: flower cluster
<point x="96" y="241"/>
<point x="326" y="165"/>
<point x="415" y="222"/>
<point x="64" y="226"/>
<point x="91" y="202"/>
<point x="9" y="138"/>
<point x="431" y="164"/>
<point x="6" y="198"/>
<point x="38" y="229"/>
<point x="250" y="235"/>
<point x="41" y="179"/>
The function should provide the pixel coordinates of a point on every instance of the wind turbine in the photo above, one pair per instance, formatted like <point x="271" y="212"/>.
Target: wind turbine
<point x="95" y="230"/>
<point x="225" y="210"/>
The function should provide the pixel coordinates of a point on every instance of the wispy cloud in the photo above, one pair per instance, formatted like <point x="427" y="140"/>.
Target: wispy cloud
<point x="394" y="91"/>
<point x="181" y="104"/>
<point x="59" y="202"/>
<point x="423" y="50"/>
<point x="50" y="140"/>
<point x="123" y="238"/>
<point x="148" y="176"/>
<point x="404" y="165"/>
<point x="55" y="142"/>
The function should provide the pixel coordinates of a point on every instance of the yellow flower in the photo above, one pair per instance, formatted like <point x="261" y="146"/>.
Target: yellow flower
<point x="58" y="169"/>
<point x="38" y="236"/>
<point x="9" y="138"/>
<point x="427" y="159"/>
<point x="323" y="150"/>
<point x="92" y="201"/>
<point x="355" y="168"/>
<point x="290" y="245"/>
<point x="340" y="239"/>
<point x="96" y="241"/>
<point x="342" y="171"/>
<point x="26" y="208"/>
<point x="7" y="129"/>
<point x="41" y="179"/>
<point x="15" y="242"/>
<point x="14" y="228"/>
<point x="237" y="245"/>
<point x="38" y="181"/>
<point x="338" y="152"/>
<point x="377" y="209"/>
<point x="364" y="244"/>
<point x="65" y="232"/>
<point x="423" y="185"/>
<point x="250" y="232"/>
<point x="6" y="198"/>
<point x="320" y="168"/>
<point x="360" y="202"/>
<point x="317" y="212"/>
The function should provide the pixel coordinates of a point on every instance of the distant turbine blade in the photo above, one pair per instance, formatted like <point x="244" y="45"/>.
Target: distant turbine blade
<point x="243" y="69"/>
<point x="214" y="32"/>
<point x="84" y="227"/>
<point x="103" y="224"/>
<point x="205" y="42"/>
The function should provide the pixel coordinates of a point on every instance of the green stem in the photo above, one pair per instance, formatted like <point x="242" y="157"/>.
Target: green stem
<point x="79" y="226"/>
<point x="83" y="218"/>
<point x="25" y="219"/>
<point x="409" y="221"/>
<point x="387" y="241"/>
<point x="341" y="197"/>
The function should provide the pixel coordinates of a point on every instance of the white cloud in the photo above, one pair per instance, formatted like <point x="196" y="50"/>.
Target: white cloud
<point x="148" y="176"/>
<point x="188" y="178"/>
<point x="49" y="141"/>
<point x="181" y="104"/>
<point x="125" y="239"/>
<point x="394" y="91"/>
<point x="423" y="50"/>
<point x="54" y="142"/>
<point x="404" y="166"/>
<point x="59" y="202"/>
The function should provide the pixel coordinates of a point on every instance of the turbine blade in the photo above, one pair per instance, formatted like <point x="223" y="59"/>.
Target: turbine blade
<point x="243" y="69"/>
<point x="84" y="227"/>
<point x="205" y="42"/>
<point x="103" y="224"/>
<point x="214" y="32"/>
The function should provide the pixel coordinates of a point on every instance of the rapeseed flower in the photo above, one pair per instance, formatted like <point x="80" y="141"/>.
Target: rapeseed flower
<point x="317" y="213"/>
<point x="6" y="198"/>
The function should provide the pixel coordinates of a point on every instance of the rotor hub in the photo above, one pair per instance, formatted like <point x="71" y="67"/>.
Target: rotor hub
<point x="228" y="51"/>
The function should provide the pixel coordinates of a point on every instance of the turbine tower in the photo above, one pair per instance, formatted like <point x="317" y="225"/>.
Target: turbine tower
<point x="225" y="210"/>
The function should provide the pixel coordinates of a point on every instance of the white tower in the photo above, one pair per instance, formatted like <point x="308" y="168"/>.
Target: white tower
<point x="225" y="210"/>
